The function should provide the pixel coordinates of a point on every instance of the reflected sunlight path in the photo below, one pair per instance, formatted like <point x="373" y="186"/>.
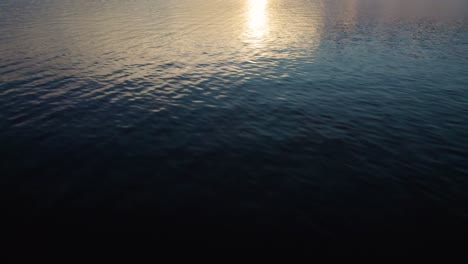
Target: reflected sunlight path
<point x="257" y="17"/>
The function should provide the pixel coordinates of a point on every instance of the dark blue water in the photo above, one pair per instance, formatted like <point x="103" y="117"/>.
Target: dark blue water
<point x="311" y="118"/>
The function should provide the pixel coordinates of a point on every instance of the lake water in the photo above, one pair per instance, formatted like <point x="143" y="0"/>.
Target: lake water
<point x="322" y="117"/>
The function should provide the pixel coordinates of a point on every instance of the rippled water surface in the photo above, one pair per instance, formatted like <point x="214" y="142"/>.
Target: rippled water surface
<point x="324" y="115"/>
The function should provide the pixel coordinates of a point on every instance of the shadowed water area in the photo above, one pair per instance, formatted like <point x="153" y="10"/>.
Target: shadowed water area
<point x="314" y="118"/>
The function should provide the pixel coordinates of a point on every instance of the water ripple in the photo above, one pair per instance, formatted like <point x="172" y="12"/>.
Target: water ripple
<point x="334" y="108"/>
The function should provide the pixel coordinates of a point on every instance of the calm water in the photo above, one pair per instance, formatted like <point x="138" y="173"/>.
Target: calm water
<point x="324" y="117"/>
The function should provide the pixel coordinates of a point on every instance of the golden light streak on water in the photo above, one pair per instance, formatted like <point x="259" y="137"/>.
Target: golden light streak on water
<point x="258" y="20"/>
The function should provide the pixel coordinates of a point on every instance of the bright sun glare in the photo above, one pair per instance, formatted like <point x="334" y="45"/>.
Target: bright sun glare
<point x="257" y="18"/>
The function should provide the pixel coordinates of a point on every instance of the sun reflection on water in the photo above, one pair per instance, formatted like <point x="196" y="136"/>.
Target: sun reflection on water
<point x="257" y="19"/>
